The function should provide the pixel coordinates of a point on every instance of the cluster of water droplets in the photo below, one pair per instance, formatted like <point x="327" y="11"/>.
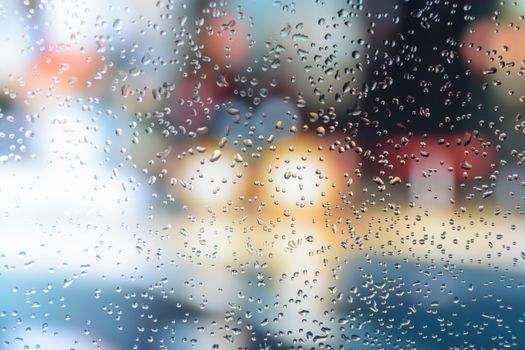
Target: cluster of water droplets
<point x="261" y="174"/>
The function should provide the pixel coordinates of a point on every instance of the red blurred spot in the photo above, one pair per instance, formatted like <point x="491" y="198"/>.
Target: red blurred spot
<point x="62" y="69"/>
<point x="443" y="152"/>
<point x="483" y="37"/>
<point x="195" y="99"/>
<point x="225" y="40"/>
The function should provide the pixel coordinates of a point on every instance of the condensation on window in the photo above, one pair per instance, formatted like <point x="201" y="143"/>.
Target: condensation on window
<point x="262" y="174"/>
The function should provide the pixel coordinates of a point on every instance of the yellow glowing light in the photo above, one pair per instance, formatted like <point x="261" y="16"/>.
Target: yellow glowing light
<point x="306" y="175"/>
<point x="209" y="179"/>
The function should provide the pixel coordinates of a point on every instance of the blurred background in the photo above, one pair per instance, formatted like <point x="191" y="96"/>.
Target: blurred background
<point x="261" y="174"/>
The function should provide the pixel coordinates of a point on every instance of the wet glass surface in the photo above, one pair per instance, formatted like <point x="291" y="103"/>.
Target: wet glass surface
<point x="262" y="174"/>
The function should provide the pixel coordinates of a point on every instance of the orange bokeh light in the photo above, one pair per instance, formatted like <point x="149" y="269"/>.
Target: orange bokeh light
<point x="225" y="40"/>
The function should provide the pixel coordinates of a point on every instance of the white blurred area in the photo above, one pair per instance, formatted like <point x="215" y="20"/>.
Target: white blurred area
<point x="15" y="42"/>
<point x="65" y="203"/>
<point x="319" y="44"/>
<point x="431" y="183"/>
<point x="66" y="207"/>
